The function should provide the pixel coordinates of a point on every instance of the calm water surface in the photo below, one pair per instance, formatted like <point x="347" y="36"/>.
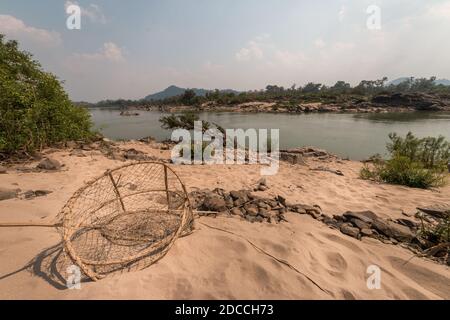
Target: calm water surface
<point x="349" y="135"/>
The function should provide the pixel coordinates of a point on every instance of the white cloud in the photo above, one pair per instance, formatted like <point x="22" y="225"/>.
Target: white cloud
<point x="253" y="51"/>
<point x="441" y="10"/>
<point x="319" y="43"/>
<point x="288" y="58"/>
<point x="93" y="12"/>
<point x="17" y="29"/>
<point x="110" y="52"/>
<point x="342" y="13"/>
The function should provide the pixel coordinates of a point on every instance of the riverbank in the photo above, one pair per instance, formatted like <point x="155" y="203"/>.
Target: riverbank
<point x="382" y="103"/>
<point x="213" y="264"/>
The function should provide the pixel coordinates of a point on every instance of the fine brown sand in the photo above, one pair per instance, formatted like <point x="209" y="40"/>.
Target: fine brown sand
<point x="210" y="264"/>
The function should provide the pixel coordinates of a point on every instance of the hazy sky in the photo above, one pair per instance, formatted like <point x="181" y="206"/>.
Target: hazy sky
<point x="128" y="49"/>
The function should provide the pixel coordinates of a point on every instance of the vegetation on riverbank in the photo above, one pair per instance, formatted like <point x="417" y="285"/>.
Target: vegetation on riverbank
<point x="35" y="111"/>
<point x="413" y="162"/>
<point x="420" y="94"/>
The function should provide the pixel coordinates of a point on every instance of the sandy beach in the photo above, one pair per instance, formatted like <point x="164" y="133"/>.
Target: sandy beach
<point x="212" y="264"/>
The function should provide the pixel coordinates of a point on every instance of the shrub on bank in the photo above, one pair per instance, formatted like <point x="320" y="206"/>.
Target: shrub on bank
<point x="35" y="111"/>
<point x="413" y="162"/>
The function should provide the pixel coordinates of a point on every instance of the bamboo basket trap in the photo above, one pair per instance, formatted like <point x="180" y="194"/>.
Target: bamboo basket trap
<point x="126" y="219"/>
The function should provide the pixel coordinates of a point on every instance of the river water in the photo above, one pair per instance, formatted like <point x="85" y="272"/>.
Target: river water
<point x="356" y="136"/>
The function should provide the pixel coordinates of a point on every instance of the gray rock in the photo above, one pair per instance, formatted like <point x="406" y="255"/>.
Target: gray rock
<point x="439" y="211"/>
<point x="133" y="154"/>
<point x="49" y="164"/>
<point x="349" y="230"/>
<point x="250" y="218"/>
<point x="6" y="194"/>
<point x="281" y="200"/>
<point x="366" y="216"/>
<point x="262" y="188"/>
<point x="242" y="194"/>
<point x="41" y="193"/>
<point x="236" y="212"/>
<point x="30" y="194"/>
<point x="393" y="230"/>
<point x="292" y="158"/>
<point x="259" y="219"/>
<point x="331" y="222"/>
<point x="298" y="208"/>
<point x="262" y="182"/>
<point x="264" y="213"/>
<point x="359" y="223"/>
<point x="252" y="210"/>
<point x="36" y="155"/>
<point x="367" y="232"/>
<point x="214" y="203"/>
<point x="408" y="223"/>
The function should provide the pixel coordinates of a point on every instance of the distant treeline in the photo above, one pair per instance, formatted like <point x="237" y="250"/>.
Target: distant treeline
<point x="341" y="91"/>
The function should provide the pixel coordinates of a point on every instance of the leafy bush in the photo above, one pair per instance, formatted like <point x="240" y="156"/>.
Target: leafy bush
<point x="34" y="109"/>
<point x="413" y="162"/>
<point x="437" y="233"/>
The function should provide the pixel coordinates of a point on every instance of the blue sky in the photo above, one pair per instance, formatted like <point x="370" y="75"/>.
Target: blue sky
<point x="128" y="49"/>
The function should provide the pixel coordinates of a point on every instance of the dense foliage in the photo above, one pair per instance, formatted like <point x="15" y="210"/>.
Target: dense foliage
<point x="34" y="109"/>
<point x="341" y="91"/>
<point x="413" y="162"/>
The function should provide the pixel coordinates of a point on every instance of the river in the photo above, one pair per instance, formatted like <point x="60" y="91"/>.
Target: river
<point x="356" y="136"/>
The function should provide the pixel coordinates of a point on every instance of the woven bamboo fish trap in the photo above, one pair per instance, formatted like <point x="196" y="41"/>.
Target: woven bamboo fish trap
<point x="126" y="219"/>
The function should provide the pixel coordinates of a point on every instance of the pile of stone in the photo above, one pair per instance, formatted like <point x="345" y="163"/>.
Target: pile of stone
<point x="404" y="232"/>
<point x="368" y="224"/>
<point x="240" y="203"/>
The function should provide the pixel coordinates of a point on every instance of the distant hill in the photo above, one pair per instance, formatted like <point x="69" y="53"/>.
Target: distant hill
<point x="173" y="91"/>
<point x="444" y="82"/>
<point x="395" y="82"/>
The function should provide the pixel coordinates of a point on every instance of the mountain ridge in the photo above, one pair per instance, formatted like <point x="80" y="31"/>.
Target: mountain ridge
<point x="172" y="91"/>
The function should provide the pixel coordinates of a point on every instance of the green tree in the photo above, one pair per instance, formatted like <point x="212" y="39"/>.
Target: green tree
<point x="188" y="97"/>
<point x="35" y="111"/>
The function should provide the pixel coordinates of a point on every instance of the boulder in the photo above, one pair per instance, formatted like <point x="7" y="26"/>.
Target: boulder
<point x="359" y="223"/>
<point x="347" y="229"/>
<point x="6" y="194"/>
<point x="214" y="203"/>
<point x="292" y="158"/>
<point x="393" y="230"/>
<point x="264" y="213"/>
<point x="251" y="210"/>
<point x="240" y="195"/>
<point x="333" y="223"/>
<point x="365" y="216"/>
<point x="439" y="211"/>
<point x="250" y="218"/>
<point x="367" y="232"/>
<point x="49" y="164"/>
<point x="133" y="154"/>
<point x="408" y="223"/>
<point x="236" y="212"/>
<point x="262" y="188"/>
